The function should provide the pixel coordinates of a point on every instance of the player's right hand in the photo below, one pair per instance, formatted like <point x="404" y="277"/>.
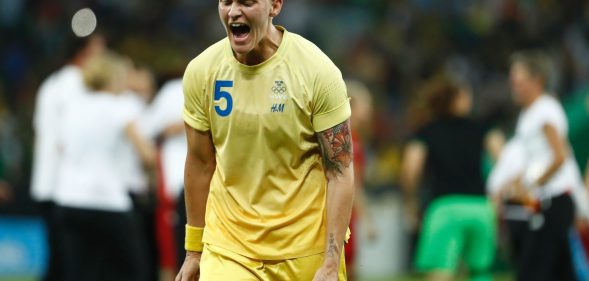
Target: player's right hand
<point x="190" y="270"/>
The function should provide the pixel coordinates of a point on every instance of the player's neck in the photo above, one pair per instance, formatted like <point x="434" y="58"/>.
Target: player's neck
<point x="77" y="62"/>
<point x="79" y="59"/>
<point x="533" y="98"/>
<point x="267" y="47"/>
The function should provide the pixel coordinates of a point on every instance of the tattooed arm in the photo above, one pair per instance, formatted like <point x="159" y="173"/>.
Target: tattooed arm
<point x="336" y="147"/>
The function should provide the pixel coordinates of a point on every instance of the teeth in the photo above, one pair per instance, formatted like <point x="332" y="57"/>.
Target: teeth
<point x="237" y="24"/>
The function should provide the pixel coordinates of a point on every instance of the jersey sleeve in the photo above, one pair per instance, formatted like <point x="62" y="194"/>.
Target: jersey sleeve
<point x="47" y="140"/>
<point x="132" y="109"/>
<point x="195" y="111"/>
<point x="47" y="103"/>
<point x="510" y="165"/>
<point x="331" y="105"/>
<point x="552" y="114"/>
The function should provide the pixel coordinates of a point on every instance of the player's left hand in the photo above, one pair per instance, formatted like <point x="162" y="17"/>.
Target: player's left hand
<point x="327" y="272"/>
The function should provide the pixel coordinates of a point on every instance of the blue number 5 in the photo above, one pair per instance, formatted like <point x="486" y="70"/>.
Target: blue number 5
<point x="220" y="94"/>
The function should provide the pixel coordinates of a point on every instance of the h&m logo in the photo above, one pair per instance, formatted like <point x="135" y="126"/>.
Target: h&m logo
<point x="277" y="107"/>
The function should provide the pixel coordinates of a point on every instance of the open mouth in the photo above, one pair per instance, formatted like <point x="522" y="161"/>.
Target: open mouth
<point x="239" y="30"/>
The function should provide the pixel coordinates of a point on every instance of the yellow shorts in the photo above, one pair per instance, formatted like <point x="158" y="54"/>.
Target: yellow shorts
<point x="218" y="264"/>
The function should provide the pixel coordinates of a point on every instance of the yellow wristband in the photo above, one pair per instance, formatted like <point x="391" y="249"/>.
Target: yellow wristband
<point x="193" y="239"/>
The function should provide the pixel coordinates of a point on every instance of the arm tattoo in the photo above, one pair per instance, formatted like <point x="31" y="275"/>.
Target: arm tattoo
<point x="332" y="248"/>
<point x="336" y="144"/>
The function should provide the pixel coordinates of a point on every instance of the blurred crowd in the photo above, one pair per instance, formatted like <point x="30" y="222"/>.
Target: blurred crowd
<point x="395" y="48"/>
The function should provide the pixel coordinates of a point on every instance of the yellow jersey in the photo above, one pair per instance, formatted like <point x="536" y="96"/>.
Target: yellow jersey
<point x="267" y="195"/>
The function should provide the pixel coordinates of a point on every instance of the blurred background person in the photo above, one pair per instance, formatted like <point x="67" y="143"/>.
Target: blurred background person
<point x="512" y="203"/>
<point x="141" y="83"/>
<point x="501" y="186"/>
<point x="459" y="223"/>
<point x="163" y="123"/>
<point x="99" y="232"/>
<point x="54" y="96"/>
<point x="361" y="122"/>
<point x="551" y="174"/>
<point x="140" y="178"/>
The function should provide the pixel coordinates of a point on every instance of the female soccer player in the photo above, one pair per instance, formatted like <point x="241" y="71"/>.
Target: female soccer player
<point x="459" y="222"/>
<point x="269" y="180"/>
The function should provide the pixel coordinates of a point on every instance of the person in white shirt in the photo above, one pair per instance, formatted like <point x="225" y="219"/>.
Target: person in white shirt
<point x="163" y="120"/>
<point x="550" y="175"/>
<point x="501" y="185"/>
<point x="139" y="180"/>
<point x="53" y="97"/>
<point x="99" y="231"/>
<point x="140" y="92"/>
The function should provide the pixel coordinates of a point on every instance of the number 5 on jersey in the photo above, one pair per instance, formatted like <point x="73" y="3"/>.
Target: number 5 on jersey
<point x="220" y="94"/>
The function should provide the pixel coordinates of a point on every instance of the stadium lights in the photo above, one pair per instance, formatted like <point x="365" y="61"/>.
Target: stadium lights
<point x="84" y="22"/>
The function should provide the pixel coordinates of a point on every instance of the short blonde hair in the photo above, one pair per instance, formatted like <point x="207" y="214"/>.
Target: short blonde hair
<point x="103" y="71"/>
<point x="536" y="62"/>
